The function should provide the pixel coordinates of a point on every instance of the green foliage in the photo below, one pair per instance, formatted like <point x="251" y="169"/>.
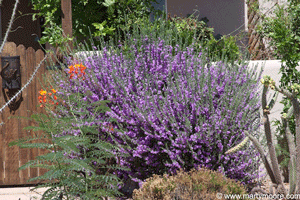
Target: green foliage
<point x="116" y="18"/>
<point x="189" y="28"/>
<point x="52" y="26"/>
<point x="283" y="30"/>
<point x="88" y="12"/>
<point x="254" y="6"/>
<point x="71" y="159"/>
<point x="102" y="29"/>
<point x="225" y="48"/>
<point x="282" y="150"/>
<point x="179" y="33"/>
<point x="217" y="49"/>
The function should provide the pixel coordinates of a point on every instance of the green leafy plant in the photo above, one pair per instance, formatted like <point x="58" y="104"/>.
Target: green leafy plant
<point x="293" y="144"/>
<point x="88" y="12"/>
<point x="53" y="33"/>
<point x="180" y="33"/>
<point x="283" y="32"/>
<point x="191" y="27"/>
<point x="79" y="163"/>
<point x="217" y="48"/>
<point x="224" y="48"/>
<point x="102" y="29"/>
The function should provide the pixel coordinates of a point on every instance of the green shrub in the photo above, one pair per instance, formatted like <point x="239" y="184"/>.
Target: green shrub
<point x="224" y="48"/>
<point x="189" y="28"/>
<point x="181" y="33"/>
<point x="283" y="32"/>
<point x="88" y="16"/>
<point x="78" y="162"/>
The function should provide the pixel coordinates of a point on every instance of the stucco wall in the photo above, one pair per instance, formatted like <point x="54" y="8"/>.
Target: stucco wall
<point x="225" y="16"/>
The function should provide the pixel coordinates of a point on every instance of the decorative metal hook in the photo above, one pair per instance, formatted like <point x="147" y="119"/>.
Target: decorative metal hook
<point x="11" y="80"/>
<point x="11" y="73"/>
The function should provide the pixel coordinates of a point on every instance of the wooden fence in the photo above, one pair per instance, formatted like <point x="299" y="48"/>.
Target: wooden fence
<point x="11" y="158"/>
<point x="257" y="48"/>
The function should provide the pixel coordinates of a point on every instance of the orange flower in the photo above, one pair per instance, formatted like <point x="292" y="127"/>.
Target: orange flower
<point x="42" y="99"/>
<point x="77" y="65"/>
<point x="82" y="67"/>
<point x="71" y="76"/>
<point x="71" y="69"/>
<point x="74" y="69"/>
<point x="43" y="92"/>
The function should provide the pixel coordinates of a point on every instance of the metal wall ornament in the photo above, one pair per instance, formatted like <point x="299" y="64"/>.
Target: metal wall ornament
<point x="11" y="80"/>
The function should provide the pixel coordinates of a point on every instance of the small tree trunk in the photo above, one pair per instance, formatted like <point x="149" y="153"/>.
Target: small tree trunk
<point x="66" y="7"/>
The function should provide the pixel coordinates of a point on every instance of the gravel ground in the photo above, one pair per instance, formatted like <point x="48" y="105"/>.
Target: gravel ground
<point x="24" y="193"/>
<point x="266" y="182"/>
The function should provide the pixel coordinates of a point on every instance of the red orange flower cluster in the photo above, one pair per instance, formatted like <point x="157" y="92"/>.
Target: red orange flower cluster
<point x="42" y="98"/>
<point x="74" y="69"/>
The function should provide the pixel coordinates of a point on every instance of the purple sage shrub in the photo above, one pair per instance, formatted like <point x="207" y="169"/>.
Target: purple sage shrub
<point x="172" y="112"/>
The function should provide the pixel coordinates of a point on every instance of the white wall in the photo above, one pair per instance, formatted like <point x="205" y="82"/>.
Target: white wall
<point x="272" y="67"/>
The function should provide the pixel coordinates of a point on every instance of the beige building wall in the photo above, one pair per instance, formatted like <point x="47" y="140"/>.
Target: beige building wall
<point x="225" y="16"/>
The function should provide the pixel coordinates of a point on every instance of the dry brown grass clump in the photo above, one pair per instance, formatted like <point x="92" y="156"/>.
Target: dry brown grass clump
<point x="196" y="184"/>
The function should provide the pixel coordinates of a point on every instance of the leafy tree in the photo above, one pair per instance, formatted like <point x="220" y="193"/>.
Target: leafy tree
<point x="99" y="17"/>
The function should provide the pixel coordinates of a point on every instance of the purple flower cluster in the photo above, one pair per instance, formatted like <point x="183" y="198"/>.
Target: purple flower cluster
<point x="175" y="112"/>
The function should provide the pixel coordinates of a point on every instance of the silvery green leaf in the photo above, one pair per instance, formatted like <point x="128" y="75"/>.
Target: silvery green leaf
<point x="108" y="3"/>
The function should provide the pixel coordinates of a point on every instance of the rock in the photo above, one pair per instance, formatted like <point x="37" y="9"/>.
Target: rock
<point x="128" y="187"/>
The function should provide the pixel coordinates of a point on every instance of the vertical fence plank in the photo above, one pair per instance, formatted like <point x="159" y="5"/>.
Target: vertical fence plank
<point x="3" y="142"/>
<point x="2" y="128"/>
<point x="2" y="154"/>
<point x="38" y="84"/>
<point x="11" y="134"/>
<point x="12" y="129"/>
<point x="24" y="153"/>
<point x="30" y="64"/>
